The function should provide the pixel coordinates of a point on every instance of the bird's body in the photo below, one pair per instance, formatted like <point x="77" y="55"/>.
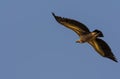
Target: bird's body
<point x="86" y="36"/>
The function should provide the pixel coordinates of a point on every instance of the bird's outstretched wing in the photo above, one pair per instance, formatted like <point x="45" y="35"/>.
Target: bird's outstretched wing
<point x="76" y="26"/>
<point x="102" y="48"/>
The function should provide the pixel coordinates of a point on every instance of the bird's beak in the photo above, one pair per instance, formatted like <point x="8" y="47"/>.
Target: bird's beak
<point x="77" y="41"/>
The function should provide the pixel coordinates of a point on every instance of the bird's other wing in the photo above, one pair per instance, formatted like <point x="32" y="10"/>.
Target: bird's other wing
<point x="102" y="48"/>
<point x="76" y="26"/>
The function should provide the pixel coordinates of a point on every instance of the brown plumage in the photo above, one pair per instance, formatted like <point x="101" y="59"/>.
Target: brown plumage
<point x="86" y="36"/>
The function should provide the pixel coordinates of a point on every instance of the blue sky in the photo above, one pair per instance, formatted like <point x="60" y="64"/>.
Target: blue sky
<point x="34" y="46"/>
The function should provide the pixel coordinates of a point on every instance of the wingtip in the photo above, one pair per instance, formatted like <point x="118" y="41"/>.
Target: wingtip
<point x="57" y="18"/>
<point x="53" y="14"/>
<point x="114" y="59"/>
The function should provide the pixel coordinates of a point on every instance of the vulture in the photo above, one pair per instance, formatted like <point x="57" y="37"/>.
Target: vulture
<point x="93" y="38"/>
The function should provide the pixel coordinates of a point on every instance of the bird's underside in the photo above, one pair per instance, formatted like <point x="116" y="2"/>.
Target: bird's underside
<point x="86" y="36"/>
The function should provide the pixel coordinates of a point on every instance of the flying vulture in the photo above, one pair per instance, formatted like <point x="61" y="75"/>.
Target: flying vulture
<point x="93" y="38"/>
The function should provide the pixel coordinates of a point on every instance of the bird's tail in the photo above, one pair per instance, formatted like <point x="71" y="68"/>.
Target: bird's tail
<point x="100" y="33"/>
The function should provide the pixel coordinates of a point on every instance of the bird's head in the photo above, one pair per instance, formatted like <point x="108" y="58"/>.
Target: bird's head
<point x="80" y="41"/>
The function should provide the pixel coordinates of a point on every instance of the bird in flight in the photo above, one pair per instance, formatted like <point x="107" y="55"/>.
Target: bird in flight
<point x="93" y="38"/>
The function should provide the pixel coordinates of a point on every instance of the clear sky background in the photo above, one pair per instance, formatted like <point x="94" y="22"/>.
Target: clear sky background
<point x="34" y="46"/>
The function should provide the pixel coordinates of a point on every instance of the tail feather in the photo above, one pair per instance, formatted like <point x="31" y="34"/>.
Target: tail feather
<point x="98" y="31"/>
